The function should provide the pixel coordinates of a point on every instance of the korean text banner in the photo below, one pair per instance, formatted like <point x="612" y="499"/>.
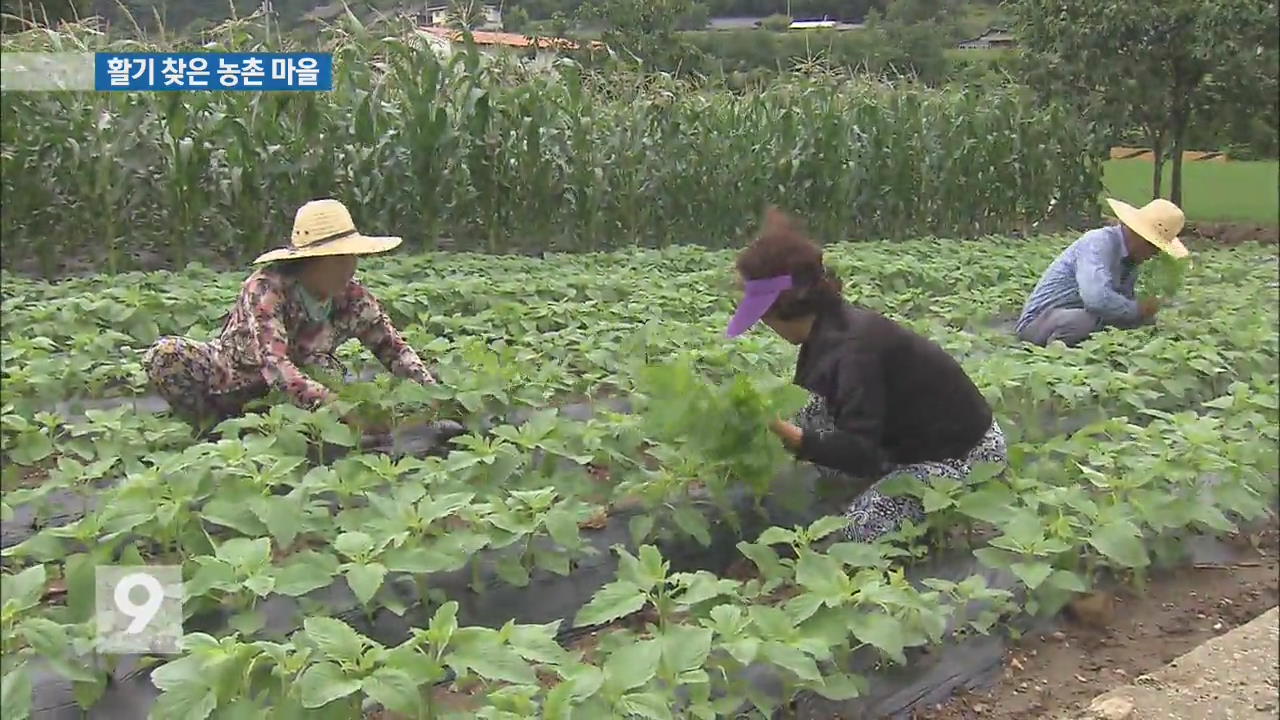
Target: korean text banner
<point x="252" y="72"/>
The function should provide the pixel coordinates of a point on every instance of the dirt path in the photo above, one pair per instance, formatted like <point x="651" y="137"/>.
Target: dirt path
<point x="1230" y="234"/>
<point x="1047" y="675"/>
<point x="1230" y="677"/>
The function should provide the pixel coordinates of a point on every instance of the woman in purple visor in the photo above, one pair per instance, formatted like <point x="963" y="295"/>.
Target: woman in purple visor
<point x="885" y="401"/>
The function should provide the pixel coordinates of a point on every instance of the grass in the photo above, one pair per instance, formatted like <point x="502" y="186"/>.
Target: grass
<point x="1222" y="192"/>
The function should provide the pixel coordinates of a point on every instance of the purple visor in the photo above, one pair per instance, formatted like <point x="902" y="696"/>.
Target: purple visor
<point x="756" y="301"/>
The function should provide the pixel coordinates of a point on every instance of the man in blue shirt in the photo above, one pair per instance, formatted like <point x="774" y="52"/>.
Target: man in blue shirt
<point x="1091" y="284"/>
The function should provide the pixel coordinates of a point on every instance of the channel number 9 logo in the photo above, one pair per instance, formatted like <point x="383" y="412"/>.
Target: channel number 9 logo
<point x="146" y="612"/>
<point x="139" y="608"/>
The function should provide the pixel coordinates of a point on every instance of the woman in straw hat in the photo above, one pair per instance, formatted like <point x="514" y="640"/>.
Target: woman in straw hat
<point x="292" y="313"/>
<point x="1091" y="284"/>
<point x="886" y="402"/>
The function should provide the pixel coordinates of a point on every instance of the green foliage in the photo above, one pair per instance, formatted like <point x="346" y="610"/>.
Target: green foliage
<point x="501" y="158"/>
<point x="849" y="10"/>
<point x="1163" y="66"/>
<point x="643" y="29"/>
<point x="516" y="20"/>
<point x="695" y="18"/>
<point x="891" y="51"/>
<point x="46" y="13"/>
<point x="776" y="23"/>
<point x="1119" y="449"/>
<point x="910" y="12"/>
<point x="1163" y="276"/>
<point x="724" y="424"/>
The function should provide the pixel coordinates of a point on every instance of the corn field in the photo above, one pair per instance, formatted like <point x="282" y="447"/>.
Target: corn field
<point x="480" y="153"/>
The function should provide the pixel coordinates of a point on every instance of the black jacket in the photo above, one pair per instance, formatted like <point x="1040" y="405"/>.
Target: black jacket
<point x="896" y="397"/>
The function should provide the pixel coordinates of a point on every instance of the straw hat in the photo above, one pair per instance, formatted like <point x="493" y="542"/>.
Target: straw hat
<point x="324" y="227"/>
<point x="1158" y="222"/>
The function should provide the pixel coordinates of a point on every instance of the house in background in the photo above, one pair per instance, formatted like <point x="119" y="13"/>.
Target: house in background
<point x="489" y="17"/>
<point x="993" y="39"/>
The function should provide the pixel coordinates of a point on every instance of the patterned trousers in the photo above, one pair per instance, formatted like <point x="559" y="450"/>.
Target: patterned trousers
<point x="873" y="514"/>
<point x="192" y="377"/>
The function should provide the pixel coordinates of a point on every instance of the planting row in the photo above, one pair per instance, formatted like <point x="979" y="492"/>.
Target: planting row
<point x="327" y="579"/>
<point x="249" y="521"/>
<point x="528" y="332"/>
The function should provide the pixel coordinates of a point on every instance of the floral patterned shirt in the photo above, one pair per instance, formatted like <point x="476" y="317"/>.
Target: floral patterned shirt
<point x="270" y="333"/>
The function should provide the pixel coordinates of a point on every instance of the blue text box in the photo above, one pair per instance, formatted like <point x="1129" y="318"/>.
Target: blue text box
<point x="211" y="72"/>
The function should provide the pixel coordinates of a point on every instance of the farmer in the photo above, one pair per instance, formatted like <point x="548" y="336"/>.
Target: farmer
<point x="885" y="401"/>
<point x="1091" y="284"/>
<point x="291" y="314"/>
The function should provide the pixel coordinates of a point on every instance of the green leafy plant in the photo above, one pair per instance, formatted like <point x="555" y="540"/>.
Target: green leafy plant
<point x="444" y="143"/>
<point x="1165" y="276"/>
<point x="725" y="425"/>
<point x="1118" y="450"/>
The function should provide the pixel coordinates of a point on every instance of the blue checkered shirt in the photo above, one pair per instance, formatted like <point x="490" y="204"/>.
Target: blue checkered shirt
<point x="1094" y="273"/>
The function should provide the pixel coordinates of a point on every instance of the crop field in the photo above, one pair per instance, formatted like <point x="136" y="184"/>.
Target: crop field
<point x="1121" y="450"/>
<point x="498" y="158"/>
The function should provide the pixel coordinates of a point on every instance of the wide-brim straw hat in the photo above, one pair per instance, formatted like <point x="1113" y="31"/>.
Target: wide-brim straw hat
<point x="1158" y="222"/>
<point x="322" y="228"/>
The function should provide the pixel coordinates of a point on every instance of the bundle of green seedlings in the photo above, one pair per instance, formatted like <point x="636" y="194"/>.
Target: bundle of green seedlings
<point x="1164" y="275"/>
<point x="724" y="423"/>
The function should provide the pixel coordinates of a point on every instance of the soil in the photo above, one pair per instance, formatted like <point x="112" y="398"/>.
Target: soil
<point x="1111" y="640"/>
<point x="29" y="477"/>
<point x="1230" y="234"/>
<point x="597" y="520"/>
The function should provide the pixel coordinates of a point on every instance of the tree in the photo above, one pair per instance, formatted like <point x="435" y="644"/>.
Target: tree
<point x="915" y="47"/>
<point x="515" y="20"/>
<point x="647" y="29"/>
<point x="466" y="14"/>
<point x="1162" y="65"/>
<point x="776" y="23"/>
<point x="697" y="18"/>
<point x="561" y="25"/>
<point x="910" y="12"/>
